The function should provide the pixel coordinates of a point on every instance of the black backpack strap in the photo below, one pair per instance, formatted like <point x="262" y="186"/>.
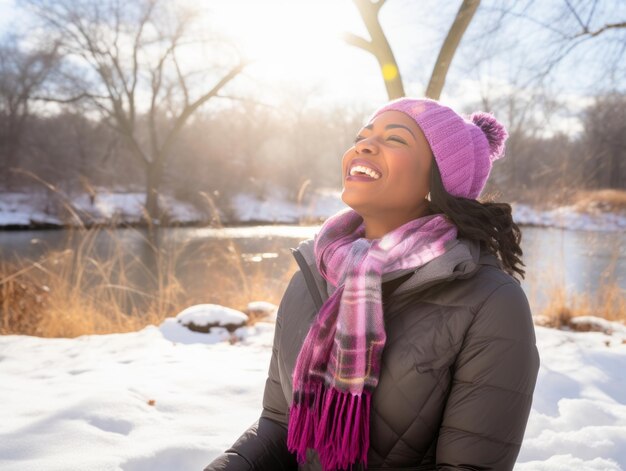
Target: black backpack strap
<point x="308" y="277"/>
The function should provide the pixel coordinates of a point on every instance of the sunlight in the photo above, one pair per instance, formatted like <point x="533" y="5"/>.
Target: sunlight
<point x="290" y="40"/>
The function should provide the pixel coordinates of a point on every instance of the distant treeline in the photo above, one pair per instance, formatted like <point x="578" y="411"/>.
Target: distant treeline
<point x="245" y="147"/>
<point x="252" y="148"/>
<point x="142" y="96"/>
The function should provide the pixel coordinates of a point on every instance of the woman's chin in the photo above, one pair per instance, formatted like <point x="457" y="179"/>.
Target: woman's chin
<point x="356" y="202"/>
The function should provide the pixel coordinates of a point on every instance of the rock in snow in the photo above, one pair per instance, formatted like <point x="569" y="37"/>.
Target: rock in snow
<point x="262" y="310"/>
<point x="203" y="317"/>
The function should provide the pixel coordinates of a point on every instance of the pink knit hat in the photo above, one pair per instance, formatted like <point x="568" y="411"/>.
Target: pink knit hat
<point x="464" y="148"/>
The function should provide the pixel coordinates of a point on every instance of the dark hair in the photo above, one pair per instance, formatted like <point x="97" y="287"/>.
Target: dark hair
<point x="488" y="221"/>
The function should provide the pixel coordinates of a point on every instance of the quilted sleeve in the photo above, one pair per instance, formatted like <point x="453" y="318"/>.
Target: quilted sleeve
<point x="491" y="394"/>
<point x="263" y="446"/>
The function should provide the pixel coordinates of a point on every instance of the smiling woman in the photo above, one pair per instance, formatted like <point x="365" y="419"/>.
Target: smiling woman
<point x="394" y="147"/>
<point x="404" y="341"/>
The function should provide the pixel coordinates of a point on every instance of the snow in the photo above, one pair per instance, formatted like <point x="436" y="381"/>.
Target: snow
<point x="578" y="418"/>
<point x="21" y="209"/>
<point x="205" y="314"/>
<point x="275" y="207"/>
<point x="129" y="207"/>
<point x="168" y="398"/>
<point x="263" y="309"/>
<point x="325" y="202"/>
<point x="566" y="217"/>
<point x="262" y="306"/>
<point x="249" y="208"/>
<point x="37" y="208"/>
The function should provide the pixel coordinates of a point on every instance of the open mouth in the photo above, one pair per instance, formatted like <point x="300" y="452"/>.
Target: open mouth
<point x="363" y="172"/>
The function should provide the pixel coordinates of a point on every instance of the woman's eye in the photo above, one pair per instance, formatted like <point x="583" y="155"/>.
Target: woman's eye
<point x="390" y="138"/>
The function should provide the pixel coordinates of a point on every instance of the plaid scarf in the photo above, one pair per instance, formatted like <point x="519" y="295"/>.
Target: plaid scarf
<point x="338" y="366"/>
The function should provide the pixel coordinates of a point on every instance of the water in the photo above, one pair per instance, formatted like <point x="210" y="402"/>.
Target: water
<point x="580" y="261"/>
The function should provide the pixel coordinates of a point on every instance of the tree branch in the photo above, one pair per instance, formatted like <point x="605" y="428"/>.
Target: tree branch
<point x="450" y="45"/>
<point x="573" y="11"/>
<point x="72" y="99"/>
<point x="358" y="41"/>
<point x="189" y="110"/>
<point x="606" y="27"/>
<point x="379" y="47"/>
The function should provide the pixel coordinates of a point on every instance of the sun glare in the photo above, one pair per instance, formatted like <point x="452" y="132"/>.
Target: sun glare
<point x="290" y="39"/>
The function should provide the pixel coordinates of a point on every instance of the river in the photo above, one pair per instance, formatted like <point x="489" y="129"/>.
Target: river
<point x="580" y="261"/>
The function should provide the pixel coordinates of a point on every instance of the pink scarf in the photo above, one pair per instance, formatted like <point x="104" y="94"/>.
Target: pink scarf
<point x="338" y="366"/>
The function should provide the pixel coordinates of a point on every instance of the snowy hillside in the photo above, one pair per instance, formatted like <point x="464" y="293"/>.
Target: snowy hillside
<point x="166" y="398"/>
<point x="21" y="209"/>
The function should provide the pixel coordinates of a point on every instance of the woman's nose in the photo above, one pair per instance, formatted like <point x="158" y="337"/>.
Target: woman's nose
<point x="366" y="146"/>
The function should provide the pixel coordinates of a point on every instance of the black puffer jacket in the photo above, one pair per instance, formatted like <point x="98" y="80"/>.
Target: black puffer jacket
<point x="458" y="369"/>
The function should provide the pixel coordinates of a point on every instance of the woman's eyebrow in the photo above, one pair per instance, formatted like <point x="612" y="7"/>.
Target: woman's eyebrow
<point x="391" y="126"/>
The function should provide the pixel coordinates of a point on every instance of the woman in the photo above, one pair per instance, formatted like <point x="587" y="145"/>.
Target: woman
<point x="404" y="341"/>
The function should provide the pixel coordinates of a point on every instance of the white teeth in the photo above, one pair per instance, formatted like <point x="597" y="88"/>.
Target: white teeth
<point x="366" y="170"/>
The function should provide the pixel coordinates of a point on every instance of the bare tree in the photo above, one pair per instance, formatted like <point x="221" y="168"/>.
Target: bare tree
<point x="583" y="15"/>
<point x="378" y="45"/>
<point x="127" y="63"/>
<point x="592" y="29"/>
<point x="22" y="73"/>
<point x="604" y="140"/>
<point x="450" y="45"/>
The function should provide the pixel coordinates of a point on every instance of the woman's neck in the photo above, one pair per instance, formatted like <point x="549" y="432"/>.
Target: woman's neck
<point x="377" y="227"/>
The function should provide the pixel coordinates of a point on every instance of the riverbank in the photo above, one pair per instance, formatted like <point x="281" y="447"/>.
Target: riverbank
<point x="593" y="211"/>
<point x="69" y="283"/>
<point x="80" y="289"/>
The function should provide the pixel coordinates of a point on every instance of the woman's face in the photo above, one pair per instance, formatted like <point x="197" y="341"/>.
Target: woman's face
<point x="395" y="149"/>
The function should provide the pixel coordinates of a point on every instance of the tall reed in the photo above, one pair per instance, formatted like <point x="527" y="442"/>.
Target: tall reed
<point x="81" y="289"/>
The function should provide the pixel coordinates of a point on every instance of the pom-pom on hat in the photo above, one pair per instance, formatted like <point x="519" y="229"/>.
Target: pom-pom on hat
<point x="464" y="148"/>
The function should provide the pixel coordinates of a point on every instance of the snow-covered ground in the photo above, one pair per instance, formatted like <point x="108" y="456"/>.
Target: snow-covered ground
<point x="23" y="208"/>
<point x="166" y="398"/>
<point x="566" y="217"/>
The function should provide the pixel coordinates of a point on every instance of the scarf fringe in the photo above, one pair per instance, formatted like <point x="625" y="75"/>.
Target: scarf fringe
<point x="333" y="422"/>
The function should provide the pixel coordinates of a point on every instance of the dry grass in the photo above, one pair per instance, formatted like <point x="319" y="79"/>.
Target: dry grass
<point x="584" y="201"/>
<point x="608" y="303"/>
<point x="79" y="291"/>
<point x="75" y="292"/>
<point x="600" y="201"/>
<point x="541" y="199"/>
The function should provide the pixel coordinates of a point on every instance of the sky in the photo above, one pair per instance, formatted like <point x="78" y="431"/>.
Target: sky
<point x="315" y="67"/>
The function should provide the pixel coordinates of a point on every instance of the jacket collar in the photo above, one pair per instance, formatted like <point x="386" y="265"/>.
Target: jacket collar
<point x="461" y="260"/>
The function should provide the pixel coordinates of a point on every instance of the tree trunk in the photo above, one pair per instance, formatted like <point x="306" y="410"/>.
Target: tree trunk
<point x="450" y="45"/>
<point x="615" y="174"/>
<point x="12" y="149"/>
<point x="390" y="72"/>
<point x="379" y="47"/>
<point x="154" y="175"/>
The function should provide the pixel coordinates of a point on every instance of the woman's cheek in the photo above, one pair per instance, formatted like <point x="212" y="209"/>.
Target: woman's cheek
<point x="344" y="161"/>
